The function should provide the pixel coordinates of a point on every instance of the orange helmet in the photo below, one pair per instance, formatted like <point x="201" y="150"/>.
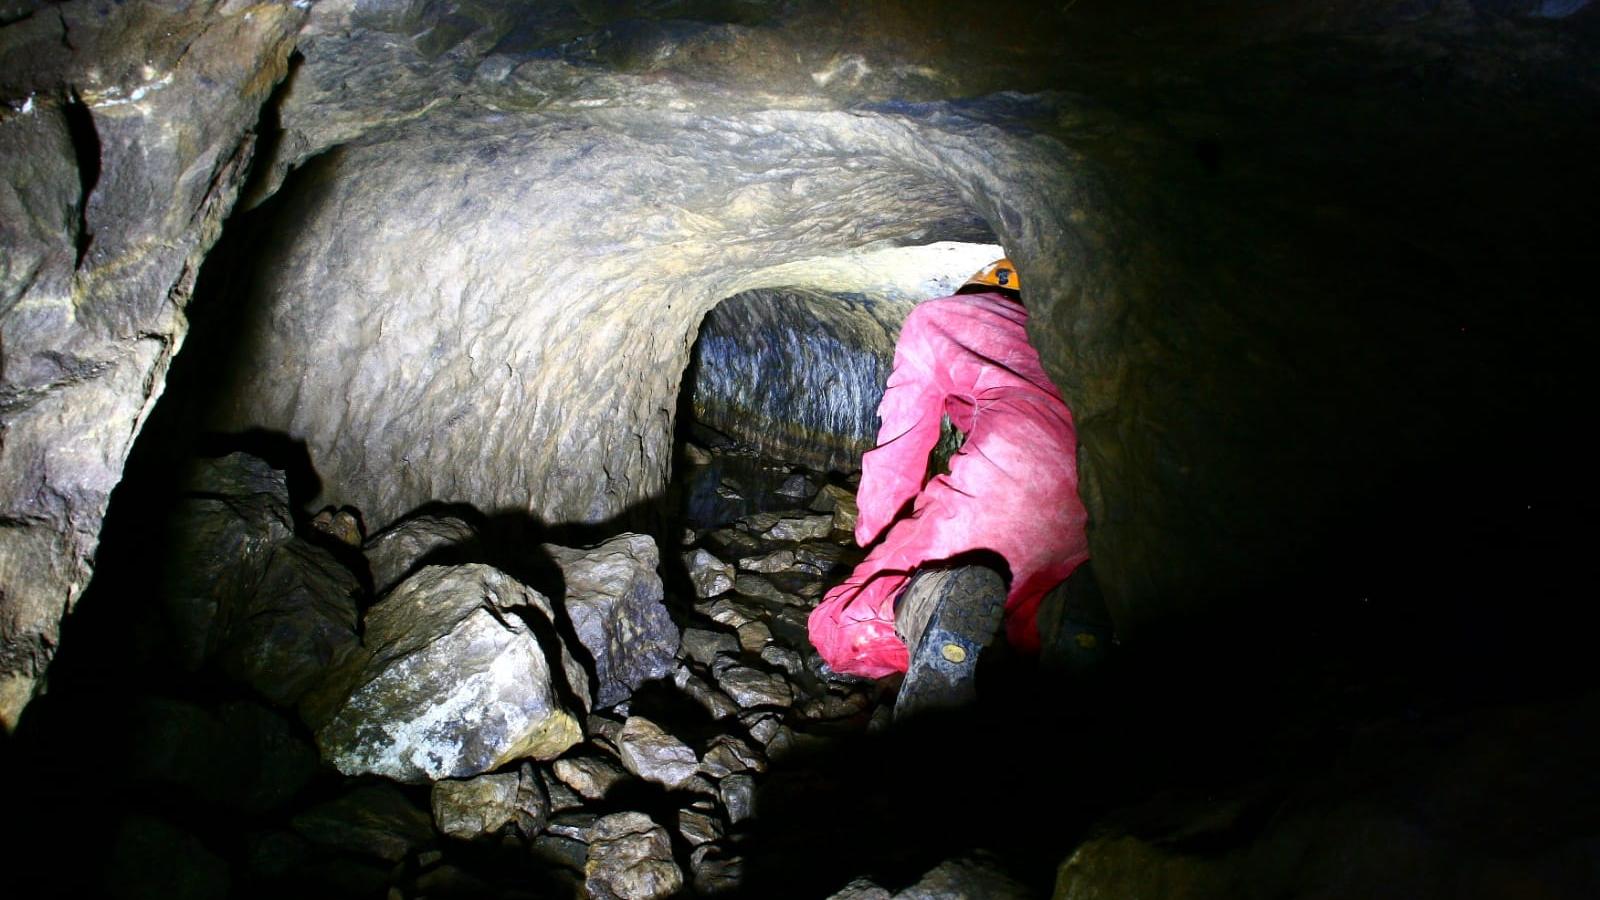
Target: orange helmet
<point x="1000" y="273"/>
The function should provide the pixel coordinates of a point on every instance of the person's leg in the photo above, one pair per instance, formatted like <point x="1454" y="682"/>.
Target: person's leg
<point x="947" y="616"/>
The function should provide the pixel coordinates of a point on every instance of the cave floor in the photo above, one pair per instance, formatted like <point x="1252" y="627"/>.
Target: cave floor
<point x="1356" y="761"/>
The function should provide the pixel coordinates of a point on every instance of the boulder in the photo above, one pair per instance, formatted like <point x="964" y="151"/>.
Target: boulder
<point x="749" y="585"/>
<point x="473" y="807"/>
<point x="710" y="576"/>
<point x="590" y="775"/>
<point x="454" y="681"/>
<point x="754" y="636"/>
<point x="729" y="755"/>
<point x="698" y="826"/>
<point x="703" y="646"/>
<point x="730" y="611"/>
<point x="716" y="869"/>
<point x="613" y="599"/>
<point x="752" y="688"/>
<point x="738" y="795"/>
<point x="654" y="755"/>
<point x="800" y="528"/>
<point x="630" y="858"/>
<point x="401" y="549"/>
<point x="841" y="502"/>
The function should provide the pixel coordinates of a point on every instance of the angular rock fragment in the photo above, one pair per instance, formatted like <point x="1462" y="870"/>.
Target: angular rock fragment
<point x="654" y="755"/>
<point x="715" y="702"/>
<point x="755" y="586"/>
<point x="832" y="706"/>
<point x="399" y="550"/>
<point x="716" y="870"/>
<point x="591" y="775"/>
<point x="630" y="858"/>
<point x="699" y="827"/>
<point x="473" y="807"/>
<point x="784" y="658"/>
<point x="753" y="688"/>
<point x="374" y="820"/>
<point x="730" y="612"/>
<point x="728" y="755"/>
<point x="561" y="797"/>
<point x="703" y="645"/>
<point x="342" y="525"/>
<point x="763" y="726"/>
<point x="753" y="636"/>
<point x="841" y="502"/>
<point x="574" y="825"/>
<point x="613" y="599"/>
<point x="733" y="542"/>
<point x="800" y="528"/>
<point x="738" y="795"/>
<point x="758" y="523"/>
<point x="776" y="561"/>
<point x="454" y="681"/>
<point x="710" y="576"/>
<point x="604" y="731"/>
<point x="797" y="487"/>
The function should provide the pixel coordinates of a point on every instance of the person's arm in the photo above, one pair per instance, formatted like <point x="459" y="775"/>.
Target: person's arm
<point x="913" y="404"/>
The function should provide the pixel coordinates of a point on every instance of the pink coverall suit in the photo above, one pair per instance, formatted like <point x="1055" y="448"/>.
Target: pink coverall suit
<point x="1012" y="487"/>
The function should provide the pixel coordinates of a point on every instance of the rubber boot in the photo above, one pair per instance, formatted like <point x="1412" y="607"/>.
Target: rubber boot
<point x="946" y="617"/>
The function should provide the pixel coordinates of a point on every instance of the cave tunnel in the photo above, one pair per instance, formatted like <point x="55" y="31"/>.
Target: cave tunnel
<point x="425" y="428"/>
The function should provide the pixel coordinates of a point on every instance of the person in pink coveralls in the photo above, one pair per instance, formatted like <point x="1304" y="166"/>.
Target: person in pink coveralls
<point x="1012" y="488"/>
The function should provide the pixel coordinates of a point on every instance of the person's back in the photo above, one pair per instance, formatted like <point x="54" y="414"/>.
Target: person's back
<point x="1011" y="488"/>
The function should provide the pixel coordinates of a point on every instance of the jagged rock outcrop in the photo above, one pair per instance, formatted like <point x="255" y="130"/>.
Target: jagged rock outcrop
<point x="462" y="671"/>
<point x="126" y="132"/>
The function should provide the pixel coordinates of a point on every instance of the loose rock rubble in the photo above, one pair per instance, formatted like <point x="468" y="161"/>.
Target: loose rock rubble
<point x="609" y="739"/>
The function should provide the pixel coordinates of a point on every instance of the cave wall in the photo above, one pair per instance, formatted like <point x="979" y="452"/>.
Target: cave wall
<point x="1280" y="256"/>
<point x="126" y="132"/>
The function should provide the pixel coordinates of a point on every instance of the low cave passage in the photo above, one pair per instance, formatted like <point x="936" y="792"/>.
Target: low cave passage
<point x="1315" y="289"/>
<point x="1179" y="740"/>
